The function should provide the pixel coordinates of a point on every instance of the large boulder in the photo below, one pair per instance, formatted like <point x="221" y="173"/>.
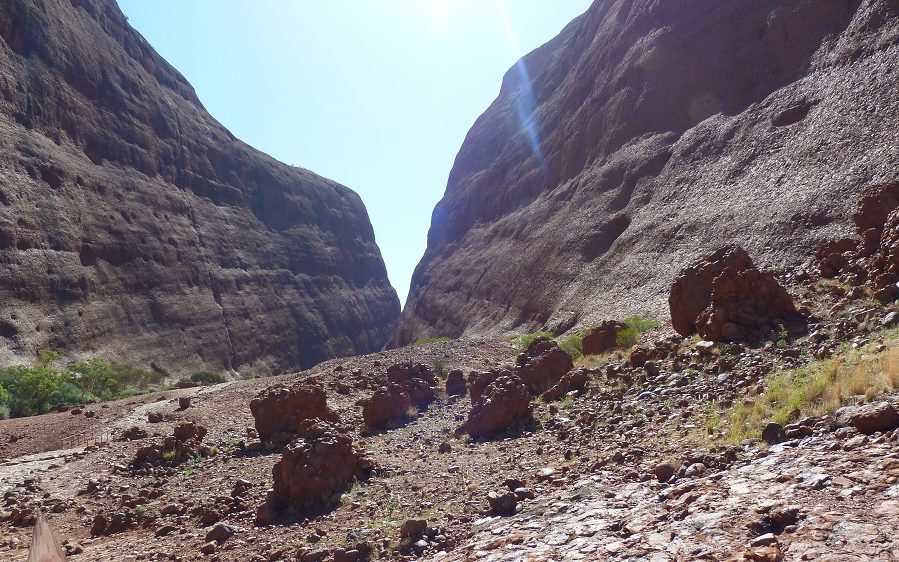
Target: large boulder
<point x="387" y="406"/>
<point x="542" y="364"/>
<point x="724" y="297"/>
<point x="312" y="470"/>
<point x="868" y="418"/>
<point x="873" y="257"/>
<point x="401" y="373"/>
<point x="573" y="380"/>
<point x="505" y="404"/>
<point x="602" y="338"/>
<point x="185" y="443"/>
<point x="417" y="380"/>
<point x="455" y="383"/>
<point x="479" y="380"/>
<point x="279" y="410"/>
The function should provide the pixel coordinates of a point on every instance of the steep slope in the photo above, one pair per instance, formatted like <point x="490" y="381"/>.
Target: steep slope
<point x="646" y="134"/>
<point x="134" y="226"/>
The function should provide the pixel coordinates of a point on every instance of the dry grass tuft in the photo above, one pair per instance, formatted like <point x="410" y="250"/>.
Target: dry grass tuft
<point x="814" y="390"/>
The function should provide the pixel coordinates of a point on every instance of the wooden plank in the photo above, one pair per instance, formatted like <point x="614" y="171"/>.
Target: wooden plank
<point x="44" y="547"/>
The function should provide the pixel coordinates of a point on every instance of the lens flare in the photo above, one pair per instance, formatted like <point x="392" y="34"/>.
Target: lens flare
<point x="523" y="99"/>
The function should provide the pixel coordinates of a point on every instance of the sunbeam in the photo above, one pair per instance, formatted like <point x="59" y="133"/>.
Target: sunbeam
<point x="523" y="99"/>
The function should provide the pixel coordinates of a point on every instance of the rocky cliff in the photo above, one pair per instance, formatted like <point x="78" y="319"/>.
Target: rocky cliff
<point x="647" y="134"/>
<point x="134" y="226"/>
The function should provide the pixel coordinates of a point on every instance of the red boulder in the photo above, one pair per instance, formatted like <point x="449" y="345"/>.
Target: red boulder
<point x="505" y="404"/>
<point x="279" y="410"/>
<point x="724" y="297"/>
<point x="602" y="338"/>
<point x="387" y="406"/>
<point x="542" y="364"/>
<point x="312" y="470"/>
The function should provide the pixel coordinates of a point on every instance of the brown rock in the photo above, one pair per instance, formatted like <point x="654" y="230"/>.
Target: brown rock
<point x="542" y="365"/>
<point x="573" y="380"/>
<point x="111" y="523"/>
<point x="220" y="533"/>
<point x="663" y="472"/>
<point x="413" y="528"/>
<point x="189" y="430"/>
<point x="724" y="297"/>
<point x="479" y="380"/>
<point x="134" y="433"/>
<point x="312" y="470"/>
<point x="247" y="255"/>
<point x="387" y="406"/>
<point x="505" y="403"/>
<point x="773" y="433"/>
<point x="455" y="383"/>
<point x="503" y="502"/>
<point x="601" y="338"/>
<point x="639" y="356"/>
<point x="764" y="554"/>
<point x="401" y="373"/>
<point x="869" y="418"/>
<point x="280" y="409"/>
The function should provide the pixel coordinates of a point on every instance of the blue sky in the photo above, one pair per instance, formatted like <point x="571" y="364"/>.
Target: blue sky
<point x="375" y="94"/>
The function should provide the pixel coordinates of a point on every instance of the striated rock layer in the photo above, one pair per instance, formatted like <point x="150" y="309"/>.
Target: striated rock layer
<point x="134" y="226"/>
<point x="644" y="136"/>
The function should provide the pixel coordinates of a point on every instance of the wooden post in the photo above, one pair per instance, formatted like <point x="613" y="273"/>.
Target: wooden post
<point x="44" y="546"/>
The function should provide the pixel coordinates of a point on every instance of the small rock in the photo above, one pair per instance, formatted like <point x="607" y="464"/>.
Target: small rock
<point x="663" y="472"/>
<point x="502" y="503"/>
<point x="890" y="320"/>
<point x="413" y="528"/>
<point x="773" y="433"/>
<point x="220" y="533"/>
<point x="763" y="540"/>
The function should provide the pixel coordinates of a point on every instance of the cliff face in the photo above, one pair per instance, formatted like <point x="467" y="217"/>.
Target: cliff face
<point x="135" y="227"/>
<point x="646" y="134"/>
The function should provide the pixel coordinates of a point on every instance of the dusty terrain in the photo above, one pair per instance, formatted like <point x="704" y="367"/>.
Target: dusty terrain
<point x="589" y="464"/>
<point x="134" y="227"/>
<point x="646" y="134"/>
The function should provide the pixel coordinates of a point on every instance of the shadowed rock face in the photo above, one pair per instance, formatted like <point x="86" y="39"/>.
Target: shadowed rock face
<point x="648" y="134"/>
<point x="134" y="226"/>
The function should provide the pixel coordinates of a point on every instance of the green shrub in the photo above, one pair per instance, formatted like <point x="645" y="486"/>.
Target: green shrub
<point x="573" y="345"/>
<point x="440" y="369"/>
<point x="523" y="341"/>
<point x="426" y="341"/>
<point x="205" y="377"/>
<point x="628" y="337"/>
<point x="69" y="393"/>
<point x="30" y="388"/>
<point x="110" y="380"/>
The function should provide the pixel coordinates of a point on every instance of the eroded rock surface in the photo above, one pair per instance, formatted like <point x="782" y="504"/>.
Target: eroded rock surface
<point x="625" y="152"/>
<point x="134" y="226"/>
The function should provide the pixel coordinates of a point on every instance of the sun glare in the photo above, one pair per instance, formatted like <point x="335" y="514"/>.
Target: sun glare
<point x="440" y="15"/>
